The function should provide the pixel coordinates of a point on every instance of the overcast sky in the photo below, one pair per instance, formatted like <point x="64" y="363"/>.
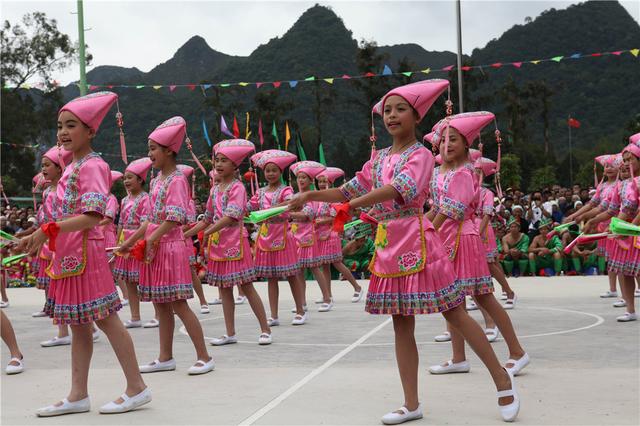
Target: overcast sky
<point x="146" y="33"/>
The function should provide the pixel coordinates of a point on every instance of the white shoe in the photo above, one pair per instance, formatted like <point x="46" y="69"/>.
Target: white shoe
<point x="444" y="337"/>
<point x="620" y="304"/>
<point x="326" y="307"/>
<point x="224" y="340"/>
<point x="273" y="322"/>
<point x="451" y="367"/>
<point x="492" y="334"/>
<point x="216" y="301"/>
<point x="81" y="406"/>
<point x="503" y="296"/>
<point x="157" y="366"/>
<point x="636" y="293"/>
<point x="510" y="412"/>
<point x="202" y="367"/>
<point x="265" y="339"/>
<point x="15" y="369"/>
<point x="510" y="303"/>
<point x="132" y="324"/>
<point x="293" y="310"/>
<point x="151" y="324"/>
<point x="471" y="305"/>
<point x="129" y="403"/>
<point x="395" y="418"/>
<point x="96" y="336"/>
<point x="518" y="365"/>
<point x="39" y="314"/>
<point x="125" y="302"/>
<point x="4" y="304"/>
<point x="357" y="296"/>
<point x="240" y="300"/>
<point x="204" y="309"/>
<point x="609" y="293"/>
<point x="319" y="301"/>
<point x="627" y="317"/>
<point x="299" y="319"/>
<point x="56" y="341"/>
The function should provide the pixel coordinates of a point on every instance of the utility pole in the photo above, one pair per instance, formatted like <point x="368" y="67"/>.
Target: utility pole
<point x="83" y="58"/>
<point x="459" y="26"/>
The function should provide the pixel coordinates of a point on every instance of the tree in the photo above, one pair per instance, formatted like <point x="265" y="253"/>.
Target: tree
<point x="510" y="171"/>
<point x="543" y="177"/>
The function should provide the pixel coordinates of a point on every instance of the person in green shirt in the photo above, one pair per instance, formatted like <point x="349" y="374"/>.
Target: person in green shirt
<point x="358" y="250"/>
<point x="515" y="246"/>
<point x="543" y="252"/>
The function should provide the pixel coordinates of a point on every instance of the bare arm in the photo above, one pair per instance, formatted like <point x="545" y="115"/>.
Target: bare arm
<point x="219" y="225"/>
<point x="33" y="242"/>
<point x="196" y="228"/>
<point x="126" y="246"/>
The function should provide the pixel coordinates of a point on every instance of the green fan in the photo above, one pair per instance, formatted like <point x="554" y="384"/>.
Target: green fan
<point x="620" y="227"/>
<point x="262" y="215"/>
<point x="12" y="259"/>
<point x="352" y="224"/>
<point x="7" y="236"/>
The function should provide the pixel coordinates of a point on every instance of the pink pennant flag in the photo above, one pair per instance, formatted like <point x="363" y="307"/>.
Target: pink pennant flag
<point x="466" y="68"/>
<point x="110" y="87"/>
<point x="259" y="84"/>
<point x="191" y="86"/>
<point x="369" y="74"/>
<point x="346" y="77"/>
<point x="517" y="64"/>
<point x="596" y="54"/>
<point x="260" y="132"/>
<point x="277" y="84"/>
<point x="497" y="65"/>
<point x="449" y="68"/>
<point x="92" y="88"/>
<point x="223" y="127"/>
<point x="172" y="88"/>
<point x="617" y="53"/>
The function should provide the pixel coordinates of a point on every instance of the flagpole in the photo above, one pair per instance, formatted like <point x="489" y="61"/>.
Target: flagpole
<point x="83" y="58"/>
<point x="570" y="153"/>
<point x="459" y="33"/>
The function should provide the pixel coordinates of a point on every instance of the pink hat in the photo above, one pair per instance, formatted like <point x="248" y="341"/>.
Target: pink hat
<point x="170" y="133"/>
<point x="212" y="174"/>
<point x="234" y="149"/>
<point x="310" y="168"/>
<point x="474" y="154"/>
<point x="115" y="176"/>
<point x="468" y="124"/>
<point x="612" y="160"/>
<point x="281" y="159"/>
<point x="59" y="156"/>
<point x="255" y="157"/>
<point x="331" y="173"/>
<point x="187" y="171"/>
<point x="420" y="95"/>
<point x="38" y="182"/>
<point x="438" y="159"/>
<point x="428" y="137"/>
<point x="634" y="138"/>
<point x="487" y="166"/>
<point x="140" y="167"/>
<point x="92" y="108"/>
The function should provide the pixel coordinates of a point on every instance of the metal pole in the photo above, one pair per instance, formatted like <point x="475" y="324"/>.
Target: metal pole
<point x="570" y="155"/>
<point x="459" y="25"/>
<point x="82" y="59"/>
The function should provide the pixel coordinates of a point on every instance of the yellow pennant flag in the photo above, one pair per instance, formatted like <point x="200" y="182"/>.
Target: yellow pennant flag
<point x="329" y="80"/>
<point x="635" y="52"/>
<point x="426" y="71"/>
<point x="243" y="84"/>
<point x="536" y="62"/>
<point x="287" y="136"/>
<point x="247" y="132"/>
<point x="157" y="87"/>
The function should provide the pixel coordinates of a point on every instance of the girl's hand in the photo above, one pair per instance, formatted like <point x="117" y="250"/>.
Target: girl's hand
<point x="125" y="248"/>
<point x="149" y="249"/>
<point x="36" y="241"/>
<point x="297" y="202"/>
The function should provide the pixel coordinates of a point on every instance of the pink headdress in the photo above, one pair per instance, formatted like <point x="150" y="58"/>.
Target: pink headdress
<point x="236" y="150"/>
<point x="140" y="167"/>
<point x="331" y="173"/>
<point x="310" y="168"/>
<point x="171" y="133"/>
<point x="281" y="159"/>
<point x="486" y="165"/>
<point x="115" y="176"/>
<point x="59" y="156"/>
<point x="634" y="138"/>
<point x="188" y="173"/>
<point x="91" y="110"/>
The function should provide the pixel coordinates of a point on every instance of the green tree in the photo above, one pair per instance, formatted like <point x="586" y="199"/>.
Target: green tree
<point x="510" y="171"/>
<point x="543" y="177"/>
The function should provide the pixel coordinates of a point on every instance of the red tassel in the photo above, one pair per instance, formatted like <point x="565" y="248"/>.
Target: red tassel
<point x="138" y="250"/>
<point x="343" y="215"/>
<point x="51" y="230"/>
<point x="123" y="146"/>
<point x="368" y="219"/>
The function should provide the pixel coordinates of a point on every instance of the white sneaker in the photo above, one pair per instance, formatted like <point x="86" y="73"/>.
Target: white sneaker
<point x="510" y="303"/>
<point x="357" y="296"/>
<point x="509" y="412"/>
<point x="326" y="307"/>
<point x="299" y="319"/>
<point x="129" y="403"/>
<point x="293" y="310"/>
<point x="265" y="339"/>
<point x="627" y="317"/>
<point x="224" y="340"/>
<point x="395" y="418"/>
<point x="609" y="293"/>
<point x="202" y="367"/>
<point x="216" y="301"/>
<point x="636" y="293"/>
<point x="132" y="324"/>
<point x="125" y="302"/>
<point x="157" y="366"/>
<point x="503" y="296"/>
<point x="240" y="300"/>
<point x="518" y="365"/>
<point x="471" y="305"/>
<point x="56" y="341"/>
<point x="492" y="334"/>
<point x="96" y="336"/>
<point x="319" y="301"/>
<point x="204" y="309"/>
<point x="151" y="324"/>
<point x="273" y="322"/>
<point x="15" y="369"/>
<point x="4" y="304"/>
<point x="451" y="367"/>
<point x="39" y="314"/>
<point x="444" y="337"/>
<point x="81" y="406"/>
<point x="620" y="304"/>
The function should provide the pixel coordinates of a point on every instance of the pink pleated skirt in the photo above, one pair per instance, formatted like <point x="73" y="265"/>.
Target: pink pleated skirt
<point x="42" y="279"/>
<point x="232" y="272"/>
<point x="84" y="298"/>
<point x="168" y="277"/>
<point x="431" y="290"/>
<point x="490" y="246"/>
<point x="280" y="263"/>
<point x="330" y="250"/>
<point x="127" y="269"/>
<point x="470" y="266"/>
<point x="308" y="256"/>
<point x="625" y="257"/>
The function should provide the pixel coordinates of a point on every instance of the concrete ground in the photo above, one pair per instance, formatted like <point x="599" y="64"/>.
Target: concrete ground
<point x="340" y="367"/>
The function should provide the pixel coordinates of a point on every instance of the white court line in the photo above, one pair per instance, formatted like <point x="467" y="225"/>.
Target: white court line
<point x="306" y="379"/>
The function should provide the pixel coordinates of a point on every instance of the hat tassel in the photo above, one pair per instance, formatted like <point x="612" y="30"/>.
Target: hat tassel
<point x="497" y="177"/>
<point x="189" y="146"/>
<point x="60" y="159"/>
<point x="123" y="145"/>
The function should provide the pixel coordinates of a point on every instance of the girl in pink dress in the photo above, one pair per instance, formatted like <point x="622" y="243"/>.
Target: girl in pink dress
<point x="230" y="263"/>
<point x="329" y="241"/>
<point x="165" y="276"/>
<point x="304" y="230"/>
<point x="81" y="290"/>
<point x="276" y="250"/>
<point x="454" y="189"/>
<point x="134" y="211"/>
<point x="109" y="228"/>
<point x="410" y="275"/>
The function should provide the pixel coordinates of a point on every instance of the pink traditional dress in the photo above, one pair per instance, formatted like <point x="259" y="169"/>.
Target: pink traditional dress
<point x="486" y="208"/>
<point x="305" y="234"/>
<point x="82" y="289"/>
<point x="276" y="248"/>
<point x="455" y="195"/>
<point x="134" y="212"/>
<point x="110" y="238"/>
<point x="188" y="242"/>
<point x="411" y="273"/>
<point x="46" y="213"/>
<point x="329" y="242"/>
<point x="605" y="194"/>
<point x="625" y="256"/>
<point x="230" y="262"/>
<point x="167" y="278"/>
